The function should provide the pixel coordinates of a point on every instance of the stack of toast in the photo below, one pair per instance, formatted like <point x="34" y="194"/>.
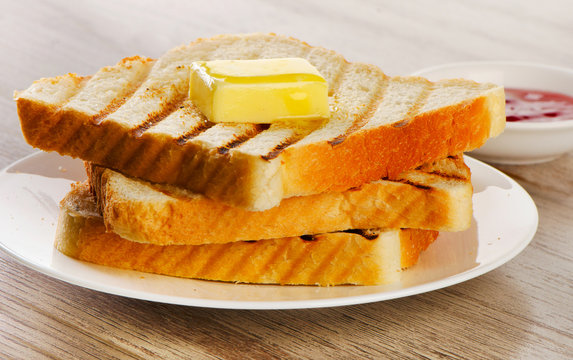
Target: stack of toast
<point x="352" y="200"/>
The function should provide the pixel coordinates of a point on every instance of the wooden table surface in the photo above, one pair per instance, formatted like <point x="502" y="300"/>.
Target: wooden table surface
<point x="522" y="310"/>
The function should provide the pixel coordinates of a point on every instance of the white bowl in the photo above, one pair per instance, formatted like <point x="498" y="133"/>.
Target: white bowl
<point x="521" y="142"/>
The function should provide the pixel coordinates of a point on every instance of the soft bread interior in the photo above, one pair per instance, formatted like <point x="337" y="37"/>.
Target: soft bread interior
<point x="357" y="257"/>
<point x="437" y="196"/>
<point x="136" y="117"/>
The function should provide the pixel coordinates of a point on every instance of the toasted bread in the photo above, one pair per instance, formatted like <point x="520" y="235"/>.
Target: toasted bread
<point x="358" y="257"/>
<point x="136" y="117"/>
<point x="437" y="197"/>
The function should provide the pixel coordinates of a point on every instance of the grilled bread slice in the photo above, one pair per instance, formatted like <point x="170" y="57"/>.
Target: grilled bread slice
<point x="437" y="196"/>
<point x="136" y="117"/>
<point x="359" y="257"/>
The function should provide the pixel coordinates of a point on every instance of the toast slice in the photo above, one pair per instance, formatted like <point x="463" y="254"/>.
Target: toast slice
<point x="359" y="257"/>
<point x="437" y="196"/>
<point x="136" y="117"/>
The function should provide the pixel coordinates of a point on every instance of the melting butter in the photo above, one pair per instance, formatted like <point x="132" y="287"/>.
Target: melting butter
<point x="259" y="91"/>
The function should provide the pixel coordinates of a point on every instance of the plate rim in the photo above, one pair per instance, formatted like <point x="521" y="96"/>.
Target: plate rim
<point x="283" y="304"/>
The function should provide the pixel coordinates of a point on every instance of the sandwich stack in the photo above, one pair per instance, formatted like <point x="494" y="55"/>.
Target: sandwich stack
<point x="351" y="200"/>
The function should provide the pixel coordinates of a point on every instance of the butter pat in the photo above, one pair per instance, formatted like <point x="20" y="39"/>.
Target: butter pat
<point x="259" y="91"/>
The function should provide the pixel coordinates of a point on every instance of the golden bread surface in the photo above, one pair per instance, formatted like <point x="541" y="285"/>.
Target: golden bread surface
<point x="361" y="257"/>
<point x="136" y="117"/>
<point x="438" y="196"/>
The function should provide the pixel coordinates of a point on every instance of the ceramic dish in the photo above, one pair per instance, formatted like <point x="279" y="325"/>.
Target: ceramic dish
<point x="521" y="142"/>
<point x="31" y="189"/>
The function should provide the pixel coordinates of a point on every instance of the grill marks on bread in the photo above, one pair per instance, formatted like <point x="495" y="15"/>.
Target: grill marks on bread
<point x="136" y="116"/>
<point x="56" y="92"/>
<point x="141" y="80"/>
<point x="337" y="258"/>
<point x="101" y="96"/>
<point x="420" y="199"/>
<point x="153" y="118"/>
<point x="276" y="151"/>
<point x="416" y="105"/>
<point x="438" y="173"/>
<point x="362" y="117"/>
<point x="202" y="126"/>
<point x="367" y="234"/>
<point x="243" y="49"/>
<point x="139" y="85"/>
<point x="240" y="139"/>
<point x="200" y="123"/>
<point x="428" y="179"/>
<point x="139" y="75"/>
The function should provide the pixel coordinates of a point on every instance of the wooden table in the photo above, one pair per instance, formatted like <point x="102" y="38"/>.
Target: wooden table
<point x="522" y="310"/>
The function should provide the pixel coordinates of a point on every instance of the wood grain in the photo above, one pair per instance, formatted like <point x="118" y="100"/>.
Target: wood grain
<point x="521" y="310"/>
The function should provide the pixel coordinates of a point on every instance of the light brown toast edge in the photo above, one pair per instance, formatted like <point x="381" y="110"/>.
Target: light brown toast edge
<point x="358" y="158"/>
<point x="387" y="151"/>
<point x="360" y="258"/>
<point x="435" y="197"/>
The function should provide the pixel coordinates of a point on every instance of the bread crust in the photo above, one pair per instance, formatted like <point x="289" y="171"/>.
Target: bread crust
<point x="327" y="259"/>
<point x="385" y="152"/>
<point x="437" y="197"/>
<point x="351" y="154"/>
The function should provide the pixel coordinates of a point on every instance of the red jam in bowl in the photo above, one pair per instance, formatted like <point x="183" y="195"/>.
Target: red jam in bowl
<point x="526" y="105"/>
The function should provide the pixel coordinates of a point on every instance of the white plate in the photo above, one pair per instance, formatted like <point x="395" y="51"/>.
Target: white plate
<point x="505" y="221"/>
